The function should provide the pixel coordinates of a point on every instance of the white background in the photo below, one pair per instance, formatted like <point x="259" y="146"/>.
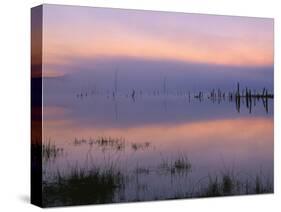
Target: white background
<point x="15" y="103"/>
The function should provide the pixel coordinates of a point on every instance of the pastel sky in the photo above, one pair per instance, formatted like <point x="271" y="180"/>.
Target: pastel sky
<point x="73" y="36"/>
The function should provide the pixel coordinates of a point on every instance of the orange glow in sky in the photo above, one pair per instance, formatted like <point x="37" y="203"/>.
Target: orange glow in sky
<point x="87" y="33"/>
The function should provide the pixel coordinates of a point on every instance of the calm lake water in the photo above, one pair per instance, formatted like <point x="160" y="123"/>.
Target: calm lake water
<point x="166" y="146"/>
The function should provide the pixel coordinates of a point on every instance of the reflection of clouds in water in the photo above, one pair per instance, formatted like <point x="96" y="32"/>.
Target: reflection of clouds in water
<point x="183" y="154"/>
<point x="101" y="112"/>
<point x="247" y="141"/>
<point x="228" y="134"/>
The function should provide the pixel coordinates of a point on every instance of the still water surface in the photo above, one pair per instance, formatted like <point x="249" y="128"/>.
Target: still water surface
<point x="144" y="136"/>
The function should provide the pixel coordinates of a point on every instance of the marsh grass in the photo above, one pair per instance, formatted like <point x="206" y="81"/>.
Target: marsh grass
<point x="113" y="143"/>
<point x="110" y="182"/>
<point x="179" y="165"/>
<point x="105" y="143"/>
<point x="261" y="187"/>
<point x="182" y="163"/>
<point x="227" y="184"/>
<point x="82" y="186"/>
<point x="50" y="150"/>
<point x="78" y="142"/>
<point x="142" y="170"/>
<point x="140" y="146"/>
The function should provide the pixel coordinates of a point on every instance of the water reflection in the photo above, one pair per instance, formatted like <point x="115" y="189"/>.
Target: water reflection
<point x="147" y="146"/>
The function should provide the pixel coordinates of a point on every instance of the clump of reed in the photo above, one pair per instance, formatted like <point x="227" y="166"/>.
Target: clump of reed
<point x="179" y="165"/>
<point x="82" y="186"/>
<point x="228" y="184"/>
<point x="50" y="150"/>
<point x="113" y="143"/>
<point x="142" y="170"/>
<point x="105" y="143"/>
<point x="78" y="142"/>
<point x="140" y="146"/>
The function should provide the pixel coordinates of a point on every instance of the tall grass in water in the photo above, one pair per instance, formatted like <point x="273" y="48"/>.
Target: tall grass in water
<point x="95" y="185"/>
<point x="82" y="186"/>
<point x="140" y="146"/>
<point x="105" y="143"/>
<point x="229" y="184"/>
<point x="50" y="150"/>
<point x="113" y="143"/>
<point x="179" y="165"/>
